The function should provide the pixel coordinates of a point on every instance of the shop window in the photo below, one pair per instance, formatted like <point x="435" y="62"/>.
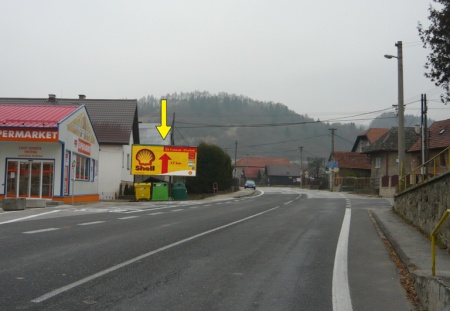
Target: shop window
<point x="82" y="167"/>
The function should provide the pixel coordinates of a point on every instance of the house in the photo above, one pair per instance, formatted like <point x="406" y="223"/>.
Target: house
<point x="384" y="159"/>
<point x="348" y="171"/>
<point x="115" y="123"/>
<point x="285" y="175"/>
<point x="351" y="164"/>
<point x="254" y="167"/>
<point x="368" y="137"/>
<point x="48" y="153"/>
<point x="437" y="140"/>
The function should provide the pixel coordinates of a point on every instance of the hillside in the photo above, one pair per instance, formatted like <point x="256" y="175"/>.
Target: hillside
<point x="263" y="129"/>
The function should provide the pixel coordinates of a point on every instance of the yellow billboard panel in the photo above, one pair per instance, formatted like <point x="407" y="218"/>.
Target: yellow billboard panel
<point x="163" y="160"/>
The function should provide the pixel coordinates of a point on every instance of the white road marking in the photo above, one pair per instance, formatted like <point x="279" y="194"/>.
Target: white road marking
<point x="289" y="202"/>
<point x="27" y="217"/>
<point x="129" y="217"/>
<point x="133" y="260"/>
<point x="177" y="210"/>
<point x="91" y="223"/>
<point x="157" y="213"/>
<point x="42" y="230"/>
<point x="341" y="290"/>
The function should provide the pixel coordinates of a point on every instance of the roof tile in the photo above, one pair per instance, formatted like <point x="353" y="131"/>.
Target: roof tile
<point x="113" y="120"/>
<point x="33" y="116"/>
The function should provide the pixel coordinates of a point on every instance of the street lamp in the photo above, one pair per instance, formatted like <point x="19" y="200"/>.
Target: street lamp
<point x="401" y="117"/>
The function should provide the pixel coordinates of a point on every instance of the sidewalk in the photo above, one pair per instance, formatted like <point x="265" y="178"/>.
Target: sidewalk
<point x="414" y="249"/>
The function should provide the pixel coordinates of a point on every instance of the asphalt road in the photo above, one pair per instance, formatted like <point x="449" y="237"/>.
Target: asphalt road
<point x="285" y="249"/>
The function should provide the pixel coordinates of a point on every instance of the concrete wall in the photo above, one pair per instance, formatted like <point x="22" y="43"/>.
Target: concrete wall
<point x="425" y="204"/>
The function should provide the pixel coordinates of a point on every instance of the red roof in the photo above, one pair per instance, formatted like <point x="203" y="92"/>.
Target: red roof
<point x="251" y="172"/>
<point x="352" y="160"/>
<point x="33" y="116"/>
<point x="438" y="136"/>
<point x="373" y="134"/>
<point x="261" y="162"/>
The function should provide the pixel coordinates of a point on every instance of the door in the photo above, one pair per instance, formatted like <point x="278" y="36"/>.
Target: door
<point x="30" y="179"/>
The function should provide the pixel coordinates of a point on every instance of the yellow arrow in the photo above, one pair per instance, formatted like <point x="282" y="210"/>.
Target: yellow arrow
<point x="163" y="129"/>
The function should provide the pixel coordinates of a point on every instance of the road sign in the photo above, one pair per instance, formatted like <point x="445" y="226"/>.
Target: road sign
<point x="163" y="160"/>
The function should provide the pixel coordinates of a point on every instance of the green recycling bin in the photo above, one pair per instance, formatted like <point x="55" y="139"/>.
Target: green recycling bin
<point x="179" y="191"/>
<point x="160" y="191"/>
<point x="142" y="191"/>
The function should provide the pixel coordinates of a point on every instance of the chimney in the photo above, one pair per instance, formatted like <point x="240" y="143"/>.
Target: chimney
<point x="81" y="96"/>
<point x="52" y="98"/>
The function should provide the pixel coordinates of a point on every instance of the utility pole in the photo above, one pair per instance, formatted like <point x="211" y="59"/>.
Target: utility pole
<point x="301" y="166"/>
<point x="172" y="142"/>
<point x="235" y="156"/>
<point x="332" y="156"/>
<point x="172" y="132"/>
<point x="401" y="109"/>
<point x="424" y="132"/>
<point x="301" y="157"/>
<point x="332" y="140"/>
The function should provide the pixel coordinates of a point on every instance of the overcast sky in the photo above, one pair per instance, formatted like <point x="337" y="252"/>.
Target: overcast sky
<point x="320" y="58"/>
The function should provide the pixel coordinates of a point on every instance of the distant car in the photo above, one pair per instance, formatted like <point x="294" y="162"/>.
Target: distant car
<point x="250" y="184"/>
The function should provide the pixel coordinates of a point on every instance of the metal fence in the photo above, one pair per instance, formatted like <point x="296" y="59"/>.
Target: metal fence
<point x="437" y="165"/>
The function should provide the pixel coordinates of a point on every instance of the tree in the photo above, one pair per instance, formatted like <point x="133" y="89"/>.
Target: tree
<point x="213" y="165"/>
<point x="437" y="38"/>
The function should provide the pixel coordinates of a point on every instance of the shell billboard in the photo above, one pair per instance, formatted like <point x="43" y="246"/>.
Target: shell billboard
<point x="163" y="160"/>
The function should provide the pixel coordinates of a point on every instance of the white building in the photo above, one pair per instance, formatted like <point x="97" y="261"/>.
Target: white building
<point x="48" y="152"/>
<point x="115" y="123"/>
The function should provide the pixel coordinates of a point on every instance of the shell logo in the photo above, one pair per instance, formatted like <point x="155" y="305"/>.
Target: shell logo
<point x="145" y="157"/>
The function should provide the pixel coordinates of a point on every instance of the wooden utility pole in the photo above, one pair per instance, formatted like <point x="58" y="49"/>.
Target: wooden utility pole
<point x="235" y="156"/>
<point x="332" y="140"/>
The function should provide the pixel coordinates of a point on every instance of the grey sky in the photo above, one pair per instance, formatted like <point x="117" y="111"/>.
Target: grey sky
<point x="320" y="58"/>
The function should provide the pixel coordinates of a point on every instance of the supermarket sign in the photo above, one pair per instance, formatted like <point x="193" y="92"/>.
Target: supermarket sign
<point x="163" y="160"/>
<point x="37" y="135"/>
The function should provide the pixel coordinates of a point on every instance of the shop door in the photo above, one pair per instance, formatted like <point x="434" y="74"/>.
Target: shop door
<point x="30" y="179"/>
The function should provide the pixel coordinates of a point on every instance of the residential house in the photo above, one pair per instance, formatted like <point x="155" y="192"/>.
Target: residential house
<point x="285" y="175"/>
<point x="350" y="166"/>
<point x="384" y="159"/>
<point x="437" y="140"/>
<point x="115" y="123"/>
<point x="254" y="167"/>
<point x="368" y="137"/>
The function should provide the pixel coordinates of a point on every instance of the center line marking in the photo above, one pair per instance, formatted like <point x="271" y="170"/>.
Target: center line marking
<point x="340" y="287"/>
<point x="91" y="223"/>
<point x="129" y="217"/>
<point x="133" y="260"/>
<point x="42" y="230"/>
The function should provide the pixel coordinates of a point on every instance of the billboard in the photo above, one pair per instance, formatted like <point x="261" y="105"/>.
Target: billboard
<point x="163" y="160"/>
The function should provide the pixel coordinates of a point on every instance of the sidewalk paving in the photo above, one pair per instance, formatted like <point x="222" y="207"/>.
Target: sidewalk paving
<point x="414" y="250"/>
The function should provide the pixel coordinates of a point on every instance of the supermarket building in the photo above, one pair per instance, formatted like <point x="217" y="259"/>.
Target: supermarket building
<point x="48" y="152"/>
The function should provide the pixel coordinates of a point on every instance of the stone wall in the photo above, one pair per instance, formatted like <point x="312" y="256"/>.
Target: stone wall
<point x="424" y="205"/>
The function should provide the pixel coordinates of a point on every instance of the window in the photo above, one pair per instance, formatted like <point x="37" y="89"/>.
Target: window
<point x="128" y="162"/>
<point x="377" y="162"/>
<point x="82" y="167"/>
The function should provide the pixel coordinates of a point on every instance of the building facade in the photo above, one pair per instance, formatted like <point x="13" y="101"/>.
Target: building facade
<point x="48" y="153"/>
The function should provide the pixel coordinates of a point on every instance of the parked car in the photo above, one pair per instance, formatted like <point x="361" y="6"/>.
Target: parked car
<point x="250" y="184"/>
